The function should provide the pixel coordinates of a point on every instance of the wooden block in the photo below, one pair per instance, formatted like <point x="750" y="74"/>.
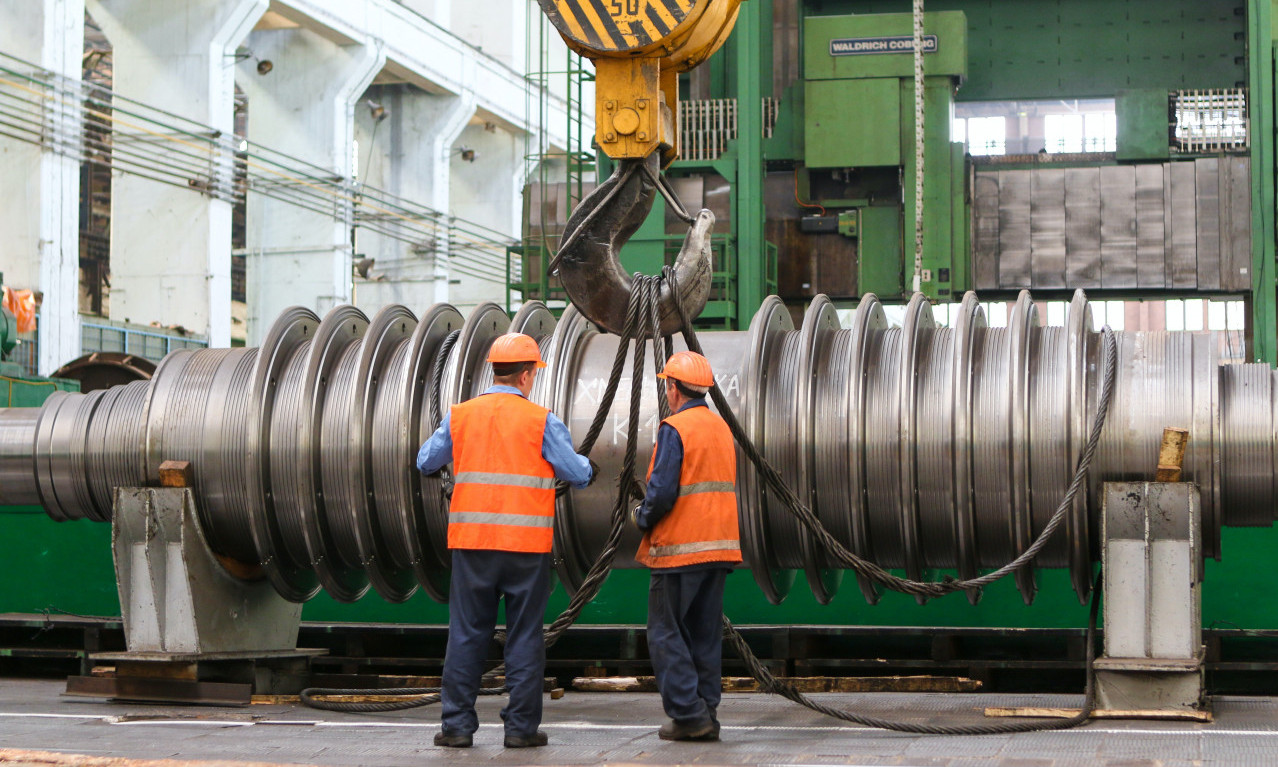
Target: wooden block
<point x="556" y="693"/>
<point x="268" y="700"/>
<point x="615" y="684"/>
<point x="175" y="474"/>
<point x="809" y="684"/>
<point x="904" y="684"/>
<point x="1066" y="713"/>
<point x="1171" y="454"/>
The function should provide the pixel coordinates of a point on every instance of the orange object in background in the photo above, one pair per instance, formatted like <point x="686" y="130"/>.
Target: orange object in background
<point x="21" y="304"/>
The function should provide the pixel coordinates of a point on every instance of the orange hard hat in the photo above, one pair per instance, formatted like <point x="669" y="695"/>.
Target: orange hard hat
<point x="689" y="367"/>
<point x="515" y="347"/>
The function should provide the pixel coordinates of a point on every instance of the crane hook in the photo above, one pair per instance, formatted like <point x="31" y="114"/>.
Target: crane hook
<point x="588" y="265"/>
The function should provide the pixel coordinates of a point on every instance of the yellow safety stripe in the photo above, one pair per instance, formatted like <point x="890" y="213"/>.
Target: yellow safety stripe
<point x="621" y="24"/>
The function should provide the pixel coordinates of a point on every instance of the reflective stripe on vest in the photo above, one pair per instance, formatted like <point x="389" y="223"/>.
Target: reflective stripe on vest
<point x="693" y="548"/>
<point x="707" y="487"/>
<point x="496" y="518"/>
<point x="503" y="489"/>
<point x="702" y="526"/>
<point x="494" y="478"/>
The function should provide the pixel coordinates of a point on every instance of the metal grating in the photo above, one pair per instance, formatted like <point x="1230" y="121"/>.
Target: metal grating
<point x="1212" y="120"/>
<point x="707" y="125"/>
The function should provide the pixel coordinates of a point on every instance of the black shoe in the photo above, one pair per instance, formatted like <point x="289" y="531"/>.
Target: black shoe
<point x="538" y="738"/>
<point x="672" y="730"/>
<point x="454" y="740"/>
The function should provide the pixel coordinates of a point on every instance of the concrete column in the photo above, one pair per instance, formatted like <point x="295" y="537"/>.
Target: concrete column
<point x="171" y="248"/>
<point x="39" y="211"/>
<point x="487" y="191"/>
<point x="305" y="108"/>
<point x="412" y="160"/>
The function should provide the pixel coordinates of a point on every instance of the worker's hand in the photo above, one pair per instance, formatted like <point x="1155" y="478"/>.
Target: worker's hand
<point x="594" y="472"/>
<point x="634" y="515"/>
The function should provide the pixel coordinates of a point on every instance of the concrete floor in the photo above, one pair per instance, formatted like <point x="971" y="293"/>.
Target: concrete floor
<point x="596" y="728"/>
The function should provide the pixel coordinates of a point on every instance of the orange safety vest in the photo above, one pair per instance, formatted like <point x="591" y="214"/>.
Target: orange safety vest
<point x="702" y="526"/>
<point x="503" y="489"/>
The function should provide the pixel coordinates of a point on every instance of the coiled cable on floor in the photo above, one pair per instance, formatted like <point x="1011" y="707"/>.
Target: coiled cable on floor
<point x="769" y="683"/>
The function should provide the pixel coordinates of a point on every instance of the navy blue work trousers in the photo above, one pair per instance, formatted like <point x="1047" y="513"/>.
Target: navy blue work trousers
<point x="479" y="580"/>
<point x="685" y="641"/>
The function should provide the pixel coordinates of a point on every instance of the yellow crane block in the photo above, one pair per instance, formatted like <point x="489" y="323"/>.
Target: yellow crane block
<point x="639" y="47"/>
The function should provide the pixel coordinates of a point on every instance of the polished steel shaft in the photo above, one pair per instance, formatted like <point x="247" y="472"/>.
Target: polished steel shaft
<point x="920" y="447"/>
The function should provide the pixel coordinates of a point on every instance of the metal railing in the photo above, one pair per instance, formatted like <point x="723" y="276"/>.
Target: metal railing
<point x="1211" y="120"/>
<point x="151" y="343"/>
<point x="707" y="125"/>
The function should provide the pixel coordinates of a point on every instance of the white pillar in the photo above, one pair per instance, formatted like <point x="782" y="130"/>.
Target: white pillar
<point x="304" y="108"/>
<point x="40" y="189"/>
<point x="487" y="191"/>
<point x="412" y="160"/>
<point x="171" y="248"/>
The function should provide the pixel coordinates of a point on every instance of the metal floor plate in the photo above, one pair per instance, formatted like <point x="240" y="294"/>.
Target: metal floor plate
<point x="597" y="728"/>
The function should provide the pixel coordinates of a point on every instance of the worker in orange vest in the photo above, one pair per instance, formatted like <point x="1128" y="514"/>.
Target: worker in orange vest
<point x="690" y="542"/>
<point x="506" y="453"/>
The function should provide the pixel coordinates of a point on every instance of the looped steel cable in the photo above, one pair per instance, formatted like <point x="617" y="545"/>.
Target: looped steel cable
<point x="647" y="292"/>
<point x="642" y="307"/>
<point x="870" y="570"/>
<point x="436" y="407"/>
<point x="770" y="683"/>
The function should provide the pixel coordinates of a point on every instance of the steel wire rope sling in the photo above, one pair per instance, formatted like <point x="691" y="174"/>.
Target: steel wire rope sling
<point x="874" y="572"/>
<point x="644" y="297"/>
<point x="643" y="307"/>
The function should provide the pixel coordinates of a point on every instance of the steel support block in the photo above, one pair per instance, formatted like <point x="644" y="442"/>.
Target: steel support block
<point x="175" y="596"/>
<point x="1153" y="659"/>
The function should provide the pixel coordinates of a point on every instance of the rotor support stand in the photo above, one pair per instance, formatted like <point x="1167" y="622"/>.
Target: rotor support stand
<point x="195" y="632"/>
<point x="1153" y="657"/>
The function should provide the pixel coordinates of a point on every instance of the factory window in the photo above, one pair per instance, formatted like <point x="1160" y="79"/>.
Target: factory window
<point x="983" y="135"/>
<point x="1227" y="319"/>
<point x="1086" y="132"/>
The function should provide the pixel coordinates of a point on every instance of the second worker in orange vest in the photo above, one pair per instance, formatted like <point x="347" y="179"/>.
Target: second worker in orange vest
<point x="690" y="542"/>
<point x="506" y="453"/>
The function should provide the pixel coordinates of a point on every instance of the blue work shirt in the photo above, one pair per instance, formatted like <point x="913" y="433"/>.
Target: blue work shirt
<point x="556" y="447"/>
<point x="663" y="485"/>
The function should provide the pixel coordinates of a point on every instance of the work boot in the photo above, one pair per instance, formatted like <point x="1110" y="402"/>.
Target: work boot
<point x="454" y="739"/>
<point x="538" y="738"/>
<point x="672" y="730"/>
<point x="714" y="719"/>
